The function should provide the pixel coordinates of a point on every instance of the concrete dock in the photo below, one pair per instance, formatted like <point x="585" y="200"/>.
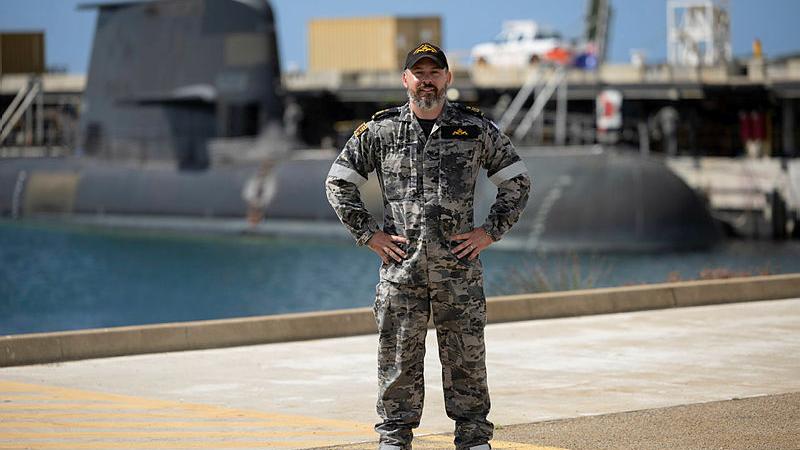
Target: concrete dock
<point x="716" y="376"/>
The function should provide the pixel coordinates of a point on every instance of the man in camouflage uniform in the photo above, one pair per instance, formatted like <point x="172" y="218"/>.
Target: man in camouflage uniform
<point x="427" y="155"/>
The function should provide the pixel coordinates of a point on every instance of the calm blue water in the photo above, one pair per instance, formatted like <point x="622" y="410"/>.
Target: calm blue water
<point x="56" y="278"/>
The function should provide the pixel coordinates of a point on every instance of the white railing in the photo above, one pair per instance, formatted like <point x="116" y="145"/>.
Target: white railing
<point x="554" y="82"/>
<point x="22" y="101"/>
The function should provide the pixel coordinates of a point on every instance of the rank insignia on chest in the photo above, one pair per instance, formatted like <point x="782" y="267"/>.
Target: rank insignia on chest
<point x="461" y="132"/>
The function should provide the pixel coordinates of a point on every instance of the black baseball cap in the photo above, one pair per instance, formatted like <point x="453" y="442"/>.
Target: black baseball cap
<point x="426" y="50"/>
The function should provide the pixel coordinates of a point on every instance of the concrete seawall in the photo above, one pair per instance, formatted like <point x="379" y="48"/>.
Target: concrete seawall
<point x="24" y="349"/>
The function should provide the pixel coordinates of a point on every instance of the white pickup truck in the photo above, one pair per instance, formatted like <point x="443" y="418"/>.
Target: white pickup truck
<point x="521" y="42"/>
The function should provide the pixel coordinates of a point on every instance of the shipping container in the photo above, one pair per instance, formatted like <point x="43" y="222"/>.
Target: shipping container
<point x="372" y="44"/>
<point x="21" y="52"/>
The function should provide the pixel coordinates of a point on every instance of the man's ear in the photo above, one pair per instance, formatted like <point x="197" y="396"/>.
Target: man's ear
<point x="405" y="82"/>
<point x="449" y="77"/>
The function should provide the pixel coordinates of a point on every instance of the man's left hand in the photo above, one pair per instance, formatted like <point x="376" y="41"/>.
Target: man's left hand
<point x="474" y="242"/>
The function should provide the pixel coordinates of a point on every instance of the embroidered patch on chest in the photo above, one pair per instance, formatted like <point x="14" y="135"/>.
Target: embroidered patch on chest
<point x="460" y="132"/>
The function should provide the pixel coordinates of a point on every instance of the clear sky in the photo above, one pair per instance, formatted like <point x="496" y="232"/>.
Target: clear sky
<point x="637" y="24"/>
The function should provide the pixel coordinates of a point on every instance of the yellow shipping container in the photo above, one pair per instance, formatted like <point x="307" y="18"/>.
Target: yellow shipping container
<point x="21" y="53"/>
<point x="367" y="43"/>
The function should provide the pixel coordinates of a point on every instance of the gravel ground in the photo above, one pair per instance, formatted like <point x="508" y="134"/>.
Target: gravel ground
<point x="767" y="422"/>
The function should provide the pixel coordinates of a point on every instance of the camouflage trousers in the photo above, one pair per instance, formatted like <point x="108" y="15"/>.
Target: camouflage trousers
<point x="402" y="313"/>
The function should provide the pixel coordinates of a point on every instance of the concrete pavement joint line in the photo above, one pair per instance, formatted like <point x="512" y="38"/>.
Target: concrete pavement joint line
<point x="25" y="349"/>
<point x="60" y="349"/>
<point x="674" y="298"/>
<point x="57" y="430"/>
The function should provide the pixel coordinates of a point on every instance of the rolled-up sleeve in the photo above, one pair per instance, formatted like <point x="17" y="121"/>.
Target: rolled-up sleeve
<point x="509" y="173"/>
<point x="349" y="171"/>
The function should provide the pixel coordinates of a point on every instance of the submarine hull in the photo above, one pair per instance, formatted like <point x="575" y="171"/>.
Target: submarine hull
<point x="593" y="200"/>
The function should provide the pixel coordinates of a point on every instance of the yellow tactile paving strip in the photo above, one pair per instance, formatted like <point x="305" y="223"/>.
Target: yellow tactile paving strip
<point x="34" y="416"/>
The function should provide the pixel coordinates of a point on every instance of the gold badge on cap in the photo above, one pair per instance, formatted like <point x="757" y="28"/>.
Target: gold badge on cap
<point x="424" y="48"/>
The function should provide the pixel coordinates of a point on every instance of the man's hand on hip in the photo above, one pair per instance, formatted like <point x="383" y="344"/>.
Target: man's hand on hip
<point x="474" y="242"/>
<point x="385" y="245"/>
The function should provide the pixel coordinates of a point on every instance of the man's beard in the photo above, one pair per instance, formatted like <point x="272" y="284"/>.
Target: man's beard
<point x="427" y="100"/>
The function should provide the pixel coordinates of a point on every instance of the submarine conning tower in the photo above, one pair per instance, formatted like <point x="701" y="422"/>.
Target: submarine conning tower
<point x="167" y="76"/>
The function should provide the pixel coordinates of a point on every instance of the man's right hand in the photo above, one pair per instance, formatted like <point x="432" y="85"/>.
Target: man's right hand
<point x="385" y="245"/>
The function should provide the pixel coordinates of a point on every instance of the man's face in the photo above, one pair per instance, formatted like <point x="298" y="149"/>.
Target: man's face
<point x="426" y="83"/>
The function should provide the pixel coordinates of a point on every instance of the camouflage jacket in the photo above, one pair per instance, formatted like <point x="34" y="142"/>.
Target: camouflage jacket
<point x="428" y="187"/>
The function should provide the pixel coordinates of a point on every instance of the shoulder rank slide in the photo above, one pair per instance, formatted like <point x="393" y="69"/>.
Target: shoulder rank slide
<point x="361" y="129"/>
<point x="385" y="113"/>
<point x="470" y="109"/>
<point x="460" y="132"/>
